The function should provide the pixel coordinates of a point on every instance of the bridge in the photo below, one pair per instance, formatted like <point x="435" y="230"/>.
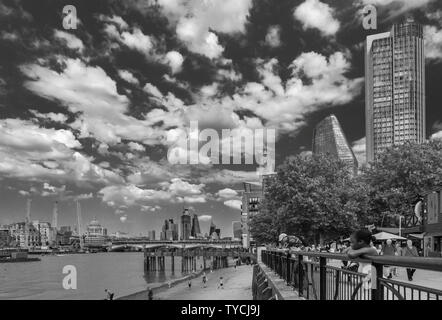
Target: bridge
<point x="142" y="244"/>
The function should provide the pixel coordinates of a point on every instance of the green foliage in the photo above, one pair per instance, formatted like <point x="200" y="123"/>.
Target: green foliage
<point x="316" y="198"/>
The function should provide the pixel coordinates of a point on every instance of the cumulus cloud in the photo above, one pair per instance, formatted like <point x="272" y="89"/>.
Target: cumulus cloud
<point x="103" y="111"/>
<point x="72" y="42"/>
<point x="175" y="60"/>
<point x="205" y="218"/>
<point x="175" y="191"/>
<point x="234" y="204"/>
<point x="32" y="152"/>
<point x="317" y="15"/>
<point x="194" y="19"/>
<point x="433" y="42"/>
<point x="128" y="76"/>
<point x="227" y="193"/>
<point x="273" y="36"/>
<point x="317" y="82"/>
<point x="396" y="8"/>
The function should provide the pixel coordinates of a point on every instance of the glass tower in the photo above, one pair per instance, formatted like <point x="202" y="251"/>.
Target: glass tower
<point x="328" y="138"/>
<point x="394" y="88"/>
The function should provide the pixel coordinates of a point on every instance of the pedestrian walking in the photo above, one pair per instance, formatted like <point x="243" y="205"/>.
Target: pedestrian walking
<point x="388" y="250"/>
<point x="204" y="280"/>
<point x="149" y="293"/>
<point x="221" y="283"/>
<point x="109" y="295"/>
<point x="410" y="251"/>
<point x="189" y="284"/>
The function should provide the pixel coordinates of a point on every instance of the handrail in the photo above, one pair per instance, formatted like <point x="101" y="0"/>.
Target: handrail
<point x="433" y="264"/>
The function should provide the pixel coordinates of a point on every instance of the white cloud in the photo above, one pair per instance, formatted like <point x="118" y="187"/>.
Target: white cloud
<point x="194" y="18"/>
<point x="32" y="152"/>
<point x="433" y="42"/>
<point x="273" y="37"/>
<point x="136" y="146"/>
<point x="137" y="40"/>
<point x="234" y="204"/>
<point x="71" y="40"/>
<point x="317" y="15"/>
<point x="175" y="191"/>
<point x="286" y="106"/>
<point x="128" y="76"/>
<point x="123" y="219"/>
<point x="103" y="110"/>
<point x="175" y="60"/>
<point x="205" y="218"/>
<point x="227" y="193"/>
<point x="56" y="117"/>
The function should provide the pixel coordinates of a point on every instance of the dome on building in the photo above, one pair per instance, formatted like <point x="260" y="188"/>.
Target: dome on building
<point x="94" y="222"/>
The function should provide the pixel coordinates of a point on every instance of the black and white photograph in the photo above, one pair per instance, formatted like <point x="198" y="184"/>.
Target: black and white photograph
<point x="221" y="150"/>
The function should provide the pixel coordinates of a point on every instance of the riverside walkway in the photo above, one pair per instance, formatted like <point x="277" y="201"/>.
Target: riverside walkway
<point x="237" y="286"/>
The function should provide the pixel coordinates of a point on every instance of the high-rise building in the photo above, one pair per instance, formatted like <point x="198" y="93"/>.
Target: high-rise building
<point x="174" y="228"/>
<point x="237" y="230"/>
<point x="196" y="231"/>
<point x="394" y="88"/>
<point x="152" y="235"/>
<point x="186" y="225"/>
<point x="328" y="138"/>
<point x="212" y="228"/>
<point x="251" y="199"/>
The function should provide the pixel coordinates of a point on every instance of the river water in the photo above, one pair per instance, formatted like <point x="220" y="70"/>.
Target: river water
<point x="121" y="272"/>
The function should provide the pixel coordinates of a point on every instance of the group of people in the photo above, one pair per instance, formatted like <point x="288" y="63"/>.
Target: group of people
<point x="361" y="243"/>
<point x="205" y="279"/>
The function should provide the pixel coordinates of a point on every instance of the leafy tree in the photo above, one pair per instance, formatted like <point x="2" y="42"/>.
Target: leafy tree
<point x="312" y="197"/>
<point x="400" y="175"/>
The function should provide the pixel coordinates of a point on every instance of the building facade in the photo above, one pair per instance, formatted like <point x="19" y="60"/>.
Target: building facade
<point x="394" y="88"/>
<point x="152" y="235"/>
<point x="186" y="225"/>
<point x="25" y="235"/>
<point x="96" y="235"/>
<point x="196" y="231"/>
<point x="237" y="230"/>
<point x="251" y="199"/>
<point x="328" y="138"/>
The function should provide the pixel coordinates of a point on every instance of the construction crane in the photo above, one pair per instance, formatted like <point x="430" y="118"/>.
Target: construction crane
<point x="55" y="216"/>
<point x="79" y="224"/>
<point x="28" y="222"/>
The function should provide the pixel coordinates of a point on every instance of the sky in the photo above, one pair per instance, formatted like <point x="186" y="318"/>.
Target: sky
<point x="92" y="113"/>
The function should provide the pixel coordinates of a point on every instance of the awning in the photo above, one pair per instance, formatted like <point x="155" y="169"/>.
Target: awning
<point x="387" y="236"/>
<point x="416" y="235"/>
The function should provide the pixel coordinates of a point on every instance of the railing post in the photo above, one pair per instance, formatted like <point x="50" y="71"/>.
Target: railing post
<point x="288" y="268"/>
<point x="300" y="275"/>
<point x="377" y="292"/>
<point x="322" y="278"/>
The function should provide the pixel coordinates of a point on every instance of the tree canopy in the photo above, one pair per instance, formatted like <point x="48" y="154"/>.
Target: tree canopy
<point x="317" y="198"/>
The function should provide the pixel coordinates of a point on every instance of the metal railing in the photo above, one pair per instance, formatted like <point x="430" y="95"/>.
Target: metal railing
<point x="320" y="276"/>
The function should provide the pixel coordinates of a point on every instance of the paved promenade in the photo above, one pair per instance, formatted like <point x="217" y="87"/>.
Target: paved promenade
<point x="237" y="286"/>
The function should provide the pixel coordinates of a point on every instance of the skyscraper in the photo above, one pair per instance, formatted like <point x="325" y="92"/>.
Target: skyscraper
<point x="237" y="229"/>
<point x="328" y="138"/>
<point x="394" y="87"/>
<point x="196" y="231"/>
<point x="186" y="225"/>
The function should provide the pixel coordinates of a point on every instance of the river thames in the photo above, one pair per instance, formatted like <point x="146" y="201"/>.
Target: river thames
<point x="121" y="272"/>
